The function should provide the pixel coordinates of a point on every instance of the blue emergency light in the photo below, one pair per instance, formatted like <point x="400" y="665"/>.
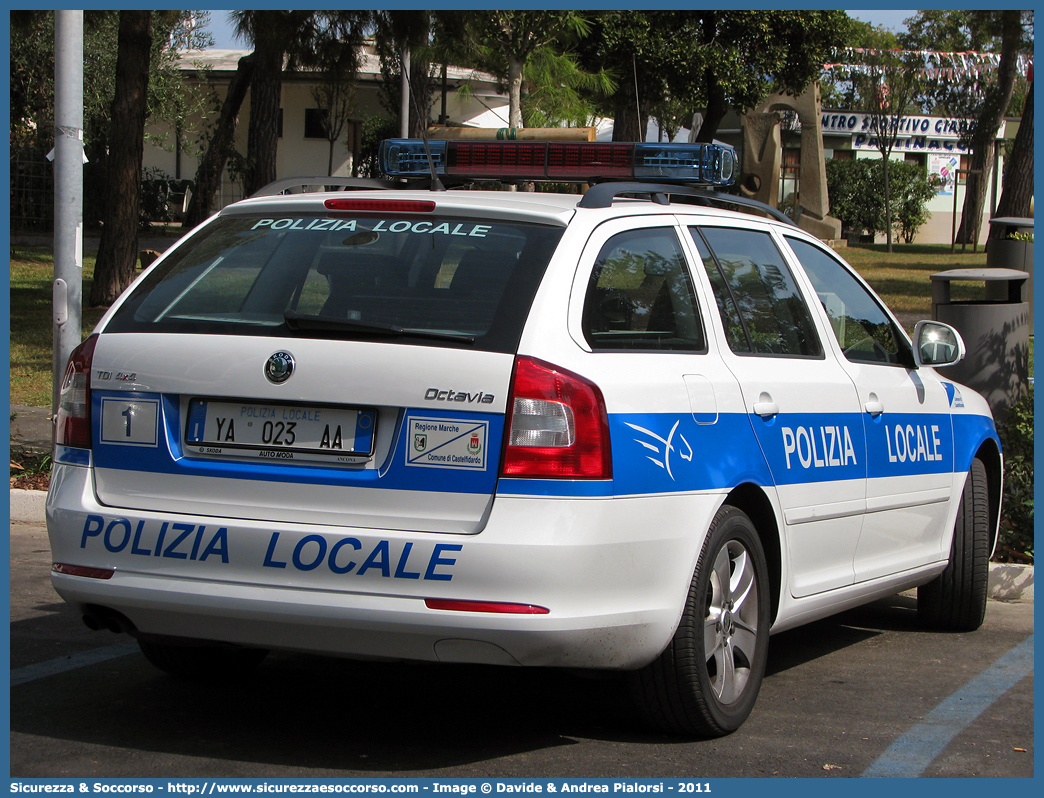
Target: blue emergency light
<point x="706" y="164"/>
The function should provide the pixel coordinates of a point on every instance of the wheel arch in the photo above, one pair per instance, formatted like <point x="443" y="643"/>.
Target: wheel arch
<point x="990" y="455"/>
<point x="752" y="500"/>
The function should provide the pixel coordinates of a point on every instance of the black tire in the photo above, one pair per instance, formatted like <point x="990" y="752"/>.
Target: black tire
<point x="199" y="661"/>
<point x="706" y="681"/>
<point x="955" y="600"/>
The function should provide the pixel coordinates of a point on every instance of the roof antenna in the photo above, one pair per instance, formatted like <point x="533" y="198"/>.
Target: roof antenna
<point x="436" y="184"/>
<point x="637" y="107"/>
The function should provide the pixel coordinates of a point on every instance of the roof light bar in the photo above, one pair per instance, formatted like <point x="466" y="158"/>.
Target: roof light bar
<point x="714" y="163"/>
<point x="706" y="164"/>
<point x="407" y="157"/>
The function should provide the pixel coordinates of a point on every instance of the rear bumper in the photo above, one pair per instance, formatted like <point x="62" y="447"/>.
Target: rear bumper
<point x="613" y="574"/>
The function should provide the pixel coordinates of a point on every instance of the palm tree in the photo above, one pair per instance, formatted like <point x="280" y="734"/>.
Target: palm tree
<point x="511" y="38"/>
<point x="278" y="38"/>
<point x="117" y="249"/>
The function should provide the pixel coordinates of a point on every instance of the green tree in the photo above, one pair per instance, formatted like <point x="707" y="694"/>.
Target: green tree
<point x="32" y="85"/>
<point x="911" y="189"/>
<point x="856" y="195"/>
<point x="509" y="39"/>
<point x="219" y="146"/>
<point x="629" y="44"/>
<point x="710" y="60"/>
<point x="277" y="37"/>
<point x="854" y="187"/>
<point x="982" y="96"/>
<point x="994" y="105"/>
<point x="1017" y="196"/>
<point x="130" y="75"/>
<point x="886" y="88"/>
<point x="743" y="56"/>
<point x="558" y="90"/>
<point x="117" y="250"/>
<point x="835" y="85"/>
<point x="336" y="59"/>
<point x="289" y="39"/>
<point x="399" y="32"/>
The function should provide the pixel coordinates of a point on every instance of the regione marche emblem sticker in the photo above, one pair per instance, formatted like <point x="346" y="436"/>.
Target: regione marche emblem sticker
<point x="447" y="443"/>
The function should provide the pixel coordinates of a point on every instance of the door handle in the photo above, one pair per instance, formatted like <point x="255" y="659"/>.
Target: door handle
<point x="766" y="409"/>
<point x="874" y="406"/>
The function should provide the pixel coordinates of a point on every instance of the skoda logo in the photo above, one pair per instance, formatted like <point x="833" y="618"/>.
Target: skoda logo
<point x="279" y="367"/>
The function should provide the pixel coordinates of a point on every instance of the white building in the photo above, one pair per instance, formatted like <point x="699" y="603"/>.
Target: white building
<point x="303" y="147"/>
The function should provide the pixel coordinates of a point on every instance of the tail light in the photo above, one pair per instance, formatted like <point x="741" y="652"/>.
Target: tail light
<point x="74" y="402"/>
<point x="558" y="426"/>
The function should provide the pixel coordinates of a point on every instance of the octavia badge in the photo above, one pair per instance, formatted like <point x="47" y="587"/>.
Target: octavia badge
<point x="279" y="367"/>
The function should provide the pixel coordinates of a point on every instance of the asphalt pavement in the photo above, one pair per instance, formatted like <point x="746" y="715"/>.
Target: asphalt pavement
<point x="865" y="693"/>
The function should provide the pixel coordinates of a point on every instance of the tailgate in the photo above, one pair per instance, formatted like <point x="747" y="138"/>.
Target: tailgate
<point x="362" y="434"/>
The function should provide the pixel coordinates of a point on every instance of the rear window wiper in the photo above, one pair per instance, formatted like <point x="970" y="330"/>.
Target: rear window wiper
<point x="298" y="322"/>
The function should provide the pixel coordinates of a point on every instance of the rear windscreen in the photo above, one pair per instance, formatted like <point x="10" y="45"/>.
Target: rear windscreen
<point x="438" y="280"/>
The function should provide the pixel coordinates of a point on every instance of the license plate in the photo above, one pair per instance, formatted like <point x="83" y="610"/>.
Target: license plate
<point x="280" y="431"/>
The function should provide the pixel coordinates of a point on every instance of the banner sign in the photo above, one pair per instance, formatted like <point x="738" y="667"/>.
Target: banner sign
<point x="935" y="127"/>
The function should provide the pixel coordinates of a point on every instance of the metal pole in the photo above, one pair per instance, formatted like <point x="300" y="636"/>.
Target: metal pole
<point x="404" y="113"/>
<point x="442" y="114"/>
<point x="68" y="191"/>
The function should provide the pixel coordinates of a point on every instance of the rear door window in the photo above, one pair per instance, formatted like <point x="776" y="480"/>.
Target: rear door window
<point x="430" y="279"/>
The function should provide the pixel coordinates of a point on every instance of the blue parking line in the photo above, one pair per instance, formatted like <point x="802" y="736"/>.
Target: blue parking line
<point x="28" y="673"/>
<point x="911" y="754"/>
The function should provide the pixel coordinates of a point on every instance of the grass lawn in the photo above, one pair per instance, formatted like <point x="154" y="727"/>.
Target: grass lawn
<point x="32" y="336"/>
<point x="900" y="278"/>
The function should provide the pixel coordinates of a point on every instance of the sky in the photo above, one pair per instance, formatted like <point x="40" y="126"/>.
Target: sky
<point x="225" y="39"/>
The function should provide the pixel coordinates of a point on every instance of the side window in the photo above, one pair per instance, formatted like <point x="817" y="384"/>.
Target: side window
<point x="735" y="332"/>
<point x="640" y="295"/>
<point x="861" y="326"/>
<point x="761" y="307"/>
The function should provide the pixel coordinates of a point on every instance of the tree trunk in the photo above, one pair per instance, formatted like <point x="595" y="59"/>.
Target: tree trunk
<point x="996" y="103"/>
<point x="423" y="85"/>
<point x="630" y="119"/>
<point x="717" y="104"/>
<point x="263" y="133"/>
<point x="208" y="174"/>
<point x="1017" y="196"/>
<point x="514" y="92"/>
<point x="717" y="107"/>
<point x="887" y="201"/>
<point x="118" y="247"/>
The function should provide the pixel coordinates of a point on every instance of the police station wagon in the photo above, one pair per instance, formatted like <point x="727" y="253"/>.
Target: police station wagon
<point x="628" y="430"/>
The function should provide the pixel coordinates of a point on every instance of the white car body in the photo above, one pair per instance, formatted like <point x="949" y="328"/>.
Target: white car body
<point x="852" y="503"/>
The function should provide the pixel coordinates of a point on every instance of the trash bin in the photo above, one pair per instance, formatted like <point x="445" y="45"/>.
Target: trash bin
<point x="1004" y="250"/>
<point x="995" y="330"/>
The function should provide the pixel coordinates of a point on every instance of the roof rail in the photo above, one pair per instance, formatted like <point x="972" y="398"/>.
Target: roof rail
<point x="333" y="182"/>
<point x="603" y="194"/>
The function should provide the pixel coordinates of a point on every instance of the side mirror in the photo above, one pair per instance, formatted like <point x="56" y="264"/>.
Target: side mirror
<point x="937" y="344"/>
